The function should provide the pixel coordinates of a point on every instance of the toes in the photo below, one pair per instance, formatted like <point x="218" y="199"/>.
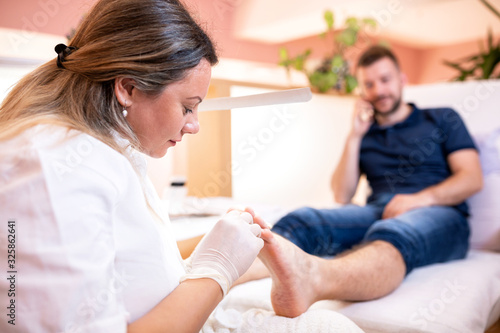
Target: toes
<point x="267" y="236"/>
<point x="258" y="220"/>
<point x="250" y="210"/>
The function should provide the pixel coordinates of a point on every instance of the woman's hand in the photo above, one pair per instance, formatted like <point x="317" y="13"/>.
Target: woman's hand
<point x="266" y="228"/>
<point x="228" y="250"/>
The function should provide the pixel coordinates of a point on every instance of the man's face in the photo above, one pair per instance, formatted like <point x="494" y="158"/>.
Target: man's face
<point x="381" y="85"/>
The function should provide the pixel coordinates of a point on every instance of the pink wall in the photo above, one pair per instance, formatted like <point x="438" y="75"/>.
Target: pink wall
<point x="434" y="69"/>
<point x="408" y="57"/>
<point x="48" y="16"/>
<point x="220" y="22"/>
<point x="59" y="16"/>
<point x="420" y="65"/>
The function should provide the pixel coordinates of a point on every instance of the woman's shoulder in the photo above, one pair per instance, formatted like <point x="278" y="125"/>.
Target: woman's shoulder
<point x="65" y="153"/>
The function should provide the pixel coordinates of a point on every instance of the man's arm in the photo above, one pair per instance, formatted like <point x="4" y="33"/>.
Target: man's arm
<point x="346" y="176"/>
<point x="465" y="180"/>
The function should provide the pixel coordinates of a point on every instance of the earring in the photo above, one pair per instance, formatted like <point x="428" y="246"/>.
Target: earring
<point x="124" y="112"/>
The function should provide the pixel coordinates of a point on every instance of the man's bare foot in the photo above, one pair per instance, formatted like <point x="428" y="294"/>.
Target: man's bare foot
<point x="256" y="272"/>
<point x="295" y="274"/>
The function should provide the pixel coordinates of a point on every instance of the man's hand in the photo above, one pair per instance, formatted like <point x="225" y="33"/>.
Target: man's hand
<point x="362" y="118"/>
<point x="401" y="203"/>
<point x="465" y="180"/>
<point x="346" y="175"/>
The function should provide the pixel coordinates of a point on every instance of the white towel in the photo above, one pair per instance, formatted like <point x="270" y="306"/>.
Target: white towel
<point x="237" y="314"/>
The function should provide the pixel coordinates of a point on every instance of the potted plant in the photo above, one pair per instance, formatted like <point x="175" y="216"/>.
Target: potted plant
<point x="480" y="66"/>
<point x="334" y="70"/>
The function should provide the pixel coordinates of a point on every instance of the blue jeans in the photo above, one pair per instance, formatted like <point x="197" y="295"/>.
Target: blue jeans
<point x="423" y="236"/>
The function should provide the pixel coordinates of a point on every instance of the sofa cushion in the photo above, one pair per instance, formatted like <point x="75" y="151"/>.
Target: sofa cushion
<point x="485" y="205"/>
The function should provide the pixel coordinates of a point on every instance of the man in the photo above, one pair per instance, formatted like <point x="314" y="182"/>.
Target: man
<point x="421" y="164"/>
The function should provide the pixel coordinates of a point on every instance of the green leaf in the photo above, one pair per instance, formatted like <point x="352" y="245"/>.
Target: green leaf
<point x="490" y="39"/>
<point x="347" y="37"/>
<point x="371" y="22"/>
<point x="352" y="23"/>
<point x="489" y="63"/>
<point x="453" y="65"/>
<point x="300" y="60"/>
<point x="464" y="73"/>
<point x="474" y="58"/>
<point x="350" y="83"/>
<point x="490" y="7"/>
<point x="328" y="16"/>
<point x="298" y="63"/>
<point x="283" y="54"/>
<point x="323" y="81"/>
<point x="385" y="43"/>
<point x="284" y="63"/>
<point x="337" y="61"/>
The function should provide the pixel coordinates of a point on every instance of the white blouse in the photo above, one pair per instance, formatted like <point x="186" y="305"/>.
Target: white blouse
<point x="93" y="249"/>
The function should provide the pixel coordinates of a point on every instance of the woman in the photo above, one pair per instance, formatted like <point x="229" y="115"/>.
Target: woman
<point x="92" y="250"/>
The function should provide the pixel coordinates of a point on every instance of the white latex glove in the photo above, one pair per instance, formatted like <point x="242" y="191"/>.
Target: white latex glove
<point x="227" y="251"/>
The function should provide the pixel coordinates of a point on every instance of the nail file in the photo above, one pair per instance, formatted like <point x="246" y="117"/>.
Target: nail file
<point x="277" y="97"/>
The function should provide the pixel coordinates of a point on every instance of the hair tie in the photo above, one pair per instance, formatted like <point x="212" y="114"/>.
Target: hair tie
<point x="62" y="52"/>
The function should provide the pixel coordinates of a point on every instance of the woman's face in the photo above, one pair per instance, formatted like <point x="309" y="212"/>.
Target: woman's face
<point x="160" y="122"/>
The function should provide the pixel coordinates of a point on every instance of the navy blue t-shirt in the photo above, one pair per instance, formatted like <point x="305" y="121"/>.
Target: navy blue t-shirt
<point x="412" y="155"/>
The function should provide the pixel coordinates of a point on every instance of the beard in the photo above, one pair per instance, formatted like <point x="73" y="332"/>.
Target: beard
<point x="392" y="110"/>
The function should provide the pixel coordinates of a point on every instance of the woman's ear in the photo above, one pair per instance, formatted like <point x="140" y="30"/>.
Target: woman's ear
<point x="123" y="90"/>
